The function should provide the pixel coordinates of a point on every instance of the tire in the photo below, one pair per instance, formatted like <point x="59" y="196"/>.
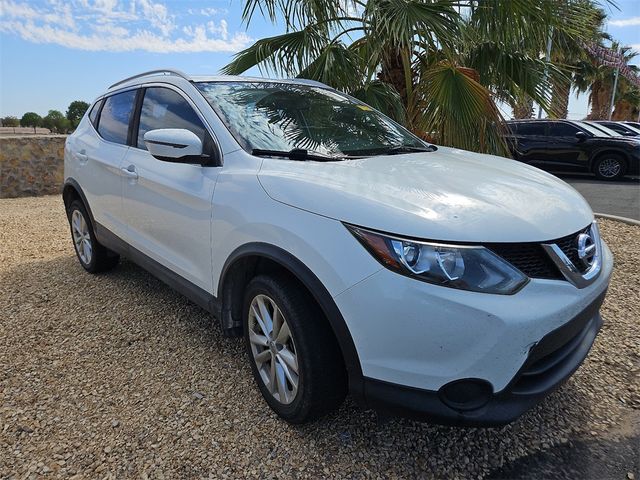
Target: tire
<point x="609" y="166"/>
<point x="93" y="256"/>
<point x="321" y="376"/>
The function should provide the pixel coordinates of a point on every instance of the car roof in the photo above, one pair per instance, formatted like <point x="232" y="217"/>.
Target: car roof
<point x="522" y="120"/>
<point x="177" y="77"/>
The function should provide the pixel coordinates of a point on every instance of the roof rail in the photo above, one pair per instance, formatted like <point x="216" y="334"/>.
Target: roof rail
<point x="306" y="81"/>
<point x="164" y="71"/>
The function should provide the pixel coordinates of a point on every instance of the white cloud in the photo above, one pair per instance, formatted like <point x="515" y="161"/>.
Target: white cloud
<point x="58" y="15"/>
<point x="625" y="22"/>
<point x="115" y="25"/>
<point x="209" y="12"/>
<point x="157" y="14"/>
<point x="118" y="39"/>
<point x="220" y="29"/>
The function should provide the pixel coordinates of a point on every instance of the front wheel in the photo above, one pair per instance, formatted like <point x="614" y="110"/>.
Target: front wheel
<point x="293" y="354"/>
<point x="93" y="256"/>
<point x="609" y="167"/>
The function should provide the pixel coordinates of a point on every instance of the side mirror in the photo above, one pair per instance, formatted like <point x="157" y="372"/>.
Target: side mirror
<point x="174" y="145"/>
<point x="581" y="136"/>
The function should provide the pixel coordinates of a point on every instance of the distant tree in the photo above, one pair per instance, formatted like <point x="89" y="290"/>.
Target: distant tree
<point x="31" y="119"/>
<point x="56" y="122"/>
<point x="10" y="121"/>
<point x="75" y="112"/>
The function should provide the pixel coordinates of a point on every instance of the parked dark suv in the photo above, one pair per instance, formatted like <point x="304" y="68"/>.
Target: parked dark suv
<point x="562" y="145"/>
<point x="620" y="127"/>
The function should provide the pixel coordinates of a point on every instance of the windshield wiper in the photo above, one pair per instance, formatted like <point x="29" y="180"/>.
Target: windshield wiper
<point x="409" y="149"/>
<point x="295" y="154"/>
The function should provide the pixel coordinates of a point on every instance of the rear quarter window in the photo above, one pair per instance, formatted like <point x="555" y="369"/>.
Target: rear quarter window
<point x="93" y="114"/>
<point x="531" y="128"/>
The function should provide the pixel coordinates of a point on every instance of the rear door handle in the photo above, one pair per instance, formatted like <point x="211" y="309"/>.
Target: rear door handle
<point x="130" y="172"/>
<point x="82" y="156"/>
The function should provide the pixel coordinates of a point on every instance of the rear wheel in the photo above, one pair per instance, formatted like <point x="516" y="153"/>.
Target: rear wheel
<point x="293" y="354"/>
<point x="93" y="256"/>
<point x="609" y="166"/>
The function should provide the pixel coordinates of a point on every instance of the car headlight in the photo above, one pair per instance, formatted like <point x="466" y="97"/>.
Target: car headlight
<point x="466" y="267"/>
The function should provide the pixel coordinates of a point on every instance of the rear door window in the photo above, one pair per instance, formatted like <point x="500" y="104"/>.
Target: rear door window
<point x="113" y="124"/>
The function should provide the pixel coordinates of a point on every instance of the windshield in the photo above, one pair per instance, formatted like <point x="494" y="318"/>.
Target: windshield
<point x="593" y="130"/>
<point x="607" y="130"/>
<point x="632" y="128"/>
<point x="284" y="117"/>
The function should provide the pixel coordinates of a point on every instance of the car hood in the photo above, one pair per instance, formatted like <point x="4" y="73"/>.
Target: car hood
<point x="450" y="195"/>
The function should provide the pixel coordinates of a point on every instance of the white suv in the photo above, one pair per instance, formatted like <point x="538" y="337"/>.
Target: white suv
<point x="352" y="256"/>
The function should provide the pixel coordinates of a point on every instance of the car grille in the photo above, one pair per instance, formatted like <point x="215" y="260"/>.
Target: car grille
<point x="569" y="247"/>
<point x="533" y="261"/>
<point x="529" y="258"/>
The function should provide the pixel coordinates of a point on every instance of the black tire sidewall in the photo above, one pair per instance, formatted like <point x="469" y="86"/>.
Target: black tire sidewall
<point x="77" y="205"/>
<point x="270" y="287"/>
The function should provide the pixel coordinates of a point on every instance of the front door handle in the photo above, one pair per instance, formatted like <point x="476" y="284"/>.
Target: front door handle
<point x="130" y="172"/>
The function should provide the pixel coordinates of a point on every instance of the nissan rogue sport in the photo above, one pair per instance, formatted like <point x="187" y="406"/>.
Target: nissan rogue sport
<point x="353" y="257"/>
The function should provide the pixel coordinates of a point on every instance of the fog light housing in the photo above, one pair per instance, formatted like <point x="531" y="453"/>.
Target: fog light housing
<point x="466" y="394"/>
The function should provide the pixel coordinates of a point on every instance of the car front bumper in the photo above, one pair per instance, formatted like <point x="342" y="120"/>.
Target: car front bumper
<point x="415" y="340"/>
<point x="545" y="370"/>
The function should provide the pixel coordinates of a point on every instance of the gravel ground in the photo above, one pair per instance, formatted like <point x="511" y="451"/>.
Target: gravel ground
<point x="115" y="376"/>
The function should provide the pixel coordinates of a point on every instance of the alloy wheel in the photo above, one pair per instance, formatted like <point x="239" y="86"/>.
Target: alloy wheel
<point x="273" y="349"/>
<point x="609" y="168"/>
<point x="81" y="237"/>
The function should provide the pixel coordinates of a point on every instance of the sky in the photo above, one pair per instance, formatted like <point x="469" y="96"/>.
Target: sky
<point x="55" y="51"/>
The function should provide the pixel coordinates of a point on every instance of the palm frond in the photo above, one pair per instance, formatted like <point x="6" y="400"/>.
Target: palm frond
<point x="459" y="111"/>
<point x="285" y="54"/>
<point x="382" y="97"/>
<point x="511" y="75"/>
<point x="298" y="13"/>
<point x="336" y="65"/>
<point x="397" y="23"/>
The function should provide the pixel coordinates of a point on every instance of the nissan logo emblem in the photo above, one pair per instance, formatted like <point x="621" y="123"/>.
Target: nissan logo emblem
<point x="586" y="249"/>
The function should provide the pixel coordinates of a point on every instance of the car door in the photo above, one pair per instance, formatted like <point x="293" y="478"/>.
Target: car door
<point x="530" y="141"/>
<point x="100" y="152"/>
<point x="564" y="150"/>
<point x="168" y="206"/>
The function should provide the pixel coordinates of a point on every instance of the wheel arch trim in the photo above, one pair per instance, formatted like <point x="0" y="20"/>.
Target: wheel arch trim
<point x="320" y="294"/>
<point x="73" y="184"/>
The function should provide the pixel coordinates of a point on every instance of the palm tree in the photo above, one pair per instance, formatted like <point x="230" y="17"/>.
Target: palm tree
<point x="598" y="80"/>
<point x="568" y="53"/>
<point x="438" y="66"/>
<point x="523" y="107"/>
<point x="627" y="106"/>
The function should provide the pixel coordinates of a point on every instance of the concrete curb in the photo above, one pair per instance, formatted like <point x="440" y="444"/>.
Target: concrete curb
<point x="629" y="221"/>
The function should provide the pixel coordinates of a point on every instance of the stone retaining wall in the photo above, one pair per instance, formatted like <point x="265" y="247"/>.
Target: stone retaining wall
<point x="31" y="165"/>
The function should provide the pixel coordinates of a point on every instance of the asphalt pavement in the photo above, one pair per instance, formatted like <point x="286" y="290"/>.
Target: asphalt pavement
<point x="621" y="198"/>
